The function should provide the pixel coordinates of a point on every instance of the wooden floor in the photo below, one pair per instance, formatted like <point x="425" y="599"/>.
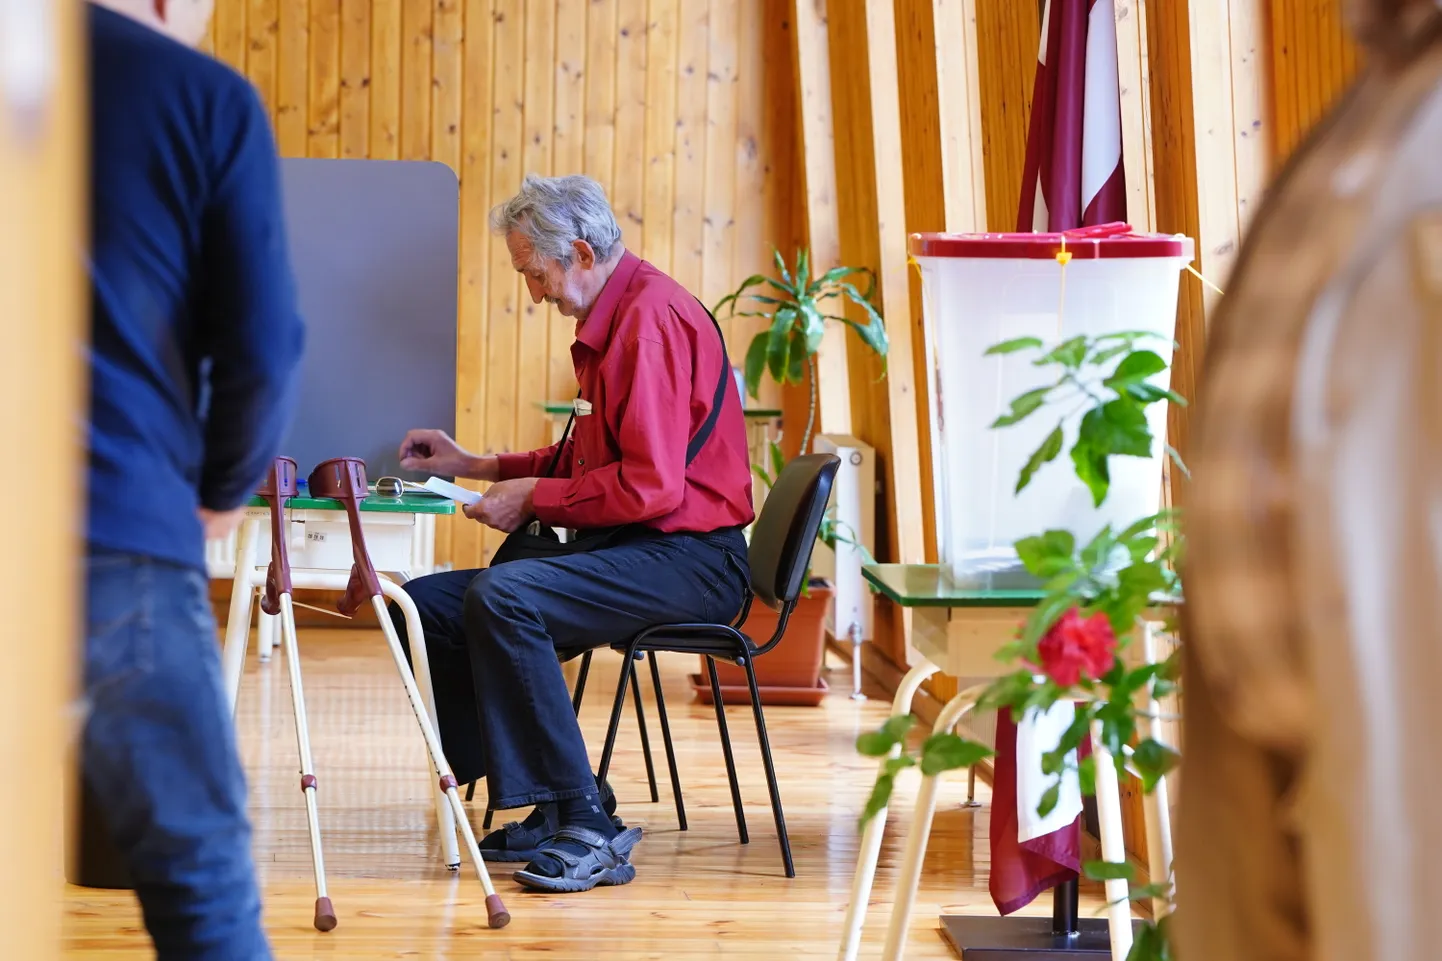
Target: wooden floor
<point x="698" y="894"/>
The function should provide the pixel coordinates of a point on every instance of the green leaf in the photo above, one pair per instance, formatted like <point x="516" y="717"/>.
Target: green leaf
<point x="796" y="367"/>
<point x="880" y="742"/>
<point x="756" y="363"/>
<point x="761" y="474"/>
<point x="780" y="265"/>
<point x="872" y="334"/>
<point x="1044" y="454"/>
<point x="778" y="351"/>
<point x="830" y="277"/>
<point x="880" y="795"/>
<point x="778" y="459"/>
<point x="731" y="298"/>
<point x="1148" y="891"/>
<point x="1171" y="669"/>
<point x="1012" y="346"/>
<point x="1150" y="393"/>
<point x="1104" y="354"/>
<point x="1086" y="775"/>
<point x="1043" y="617"/>
<point x="1177" y="460"/>
<point x="803" y="269"/>
<point x="1108" y="871"/>
<point x="1154" y="760"/>
<point x="1121" y="428"/>
<point x="1150" y="945"/>
<point x="947" y="752"/>
<point x="1135" y="368"/>
<point x="1049" y="800"/>
<point x="1023" y="407"/>
<point x="1041" y="553"/>
<point x="895" y="765"/>
<point x="1069" y="353"/>
<point x="874" y="317"/>
<point x="814" y="326"/>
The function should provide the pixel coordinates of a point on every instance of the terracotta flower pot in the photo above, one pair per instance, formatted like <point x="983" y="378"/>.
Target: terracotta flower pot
<point x="790" y="673"/>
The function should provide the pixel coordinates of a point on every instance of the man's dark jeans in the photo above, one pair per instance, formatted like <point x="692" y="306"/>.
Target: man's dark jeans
<point x="159" y="749"/>
<point x="493" y="638"/>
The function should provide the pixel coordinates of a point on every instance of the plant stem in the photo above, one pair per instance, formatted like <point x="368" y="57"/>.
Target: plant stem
<point x="811" y="406"/>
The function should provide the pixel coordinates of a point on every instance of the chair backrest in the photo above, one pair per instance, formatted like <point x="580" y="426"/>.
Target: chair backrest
<point x="785" y="533"/>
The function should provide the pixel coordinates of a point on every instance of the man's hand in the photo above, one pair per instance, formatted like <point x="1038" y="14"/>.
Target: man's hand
<point x="434" y="452"/>
<point x="506" y="505"/>
<point x="220" y="524"/>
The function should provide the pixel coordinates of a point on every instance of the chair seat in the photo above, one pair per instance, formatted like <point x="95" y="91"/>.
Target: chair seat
<point x="715" y="640"/>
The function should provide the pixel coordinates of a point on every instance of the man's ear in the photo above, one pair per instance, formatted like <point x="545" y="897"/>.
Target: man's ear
<point x="585" y="254"/>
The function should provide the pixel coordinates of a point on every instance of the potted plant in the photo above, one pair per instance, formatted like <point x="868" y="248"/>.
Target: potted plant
<point x="796" y="308"/>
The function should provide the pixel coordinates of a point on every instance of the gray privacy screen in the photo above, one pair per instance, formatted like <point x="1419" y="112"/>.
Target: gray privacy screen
<point x="374" y="249"/>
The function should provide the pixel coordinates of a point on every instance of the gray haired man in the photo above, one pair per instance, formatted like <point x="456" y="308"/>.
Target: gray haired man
<point x="656" y="480"/>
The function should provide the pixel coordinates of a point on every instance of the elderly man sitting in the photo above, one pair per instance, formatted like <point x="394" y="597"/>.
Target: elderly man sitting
<point x="657" y="484"/>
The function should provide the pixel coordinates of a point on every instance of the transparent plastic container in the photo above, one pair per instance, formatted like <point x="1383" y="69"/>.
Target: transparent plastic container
<point x="982" y="289"/>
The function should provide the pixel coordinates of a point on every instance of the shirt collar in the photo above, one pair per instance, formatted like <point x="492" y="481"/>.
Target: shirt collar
<point x="596" y="331"/>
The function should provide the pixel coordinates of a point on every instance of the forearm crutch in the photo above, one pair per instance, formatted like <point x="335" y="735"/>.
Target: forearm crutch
<point x="344" y="479"/>
<point x="278" y="489"/>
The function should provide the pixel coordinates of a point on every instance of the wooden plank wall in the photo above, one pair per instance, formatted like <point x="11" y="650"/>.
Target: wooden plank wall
<point x="1313" y="60"/>
<point x="683" y="109"/>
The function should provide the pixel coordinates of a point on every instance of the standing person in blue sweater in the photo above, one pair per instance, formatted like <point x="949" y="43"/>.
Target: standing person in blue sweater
<point x="195" y="341"/>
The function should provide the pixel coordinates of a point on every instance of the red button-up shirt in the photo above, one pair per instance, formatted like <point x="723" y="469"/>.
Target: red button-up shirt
<point x="647" y="359"/>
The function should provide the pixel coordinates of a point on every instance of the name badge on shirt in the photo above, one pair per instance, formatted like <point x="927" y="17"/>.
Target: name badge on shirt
<point x="582" y="407"/>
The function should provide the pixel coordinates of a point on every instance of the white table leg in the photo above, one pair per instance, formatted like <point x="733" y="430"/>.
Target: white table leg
<point x="421" y="669"/>
<point x="237" y="625"/>
<point x="870" y="851"/>
<point x="1109" y="816"/>
<point x="909" y="876"/>
<point x="1156" y="808"/>
<point x="265" y="642"/>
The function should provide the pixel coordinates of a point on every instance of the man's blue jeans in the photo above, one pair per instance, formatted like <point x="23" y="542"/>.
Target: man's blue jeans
<point x="160" y="755"/>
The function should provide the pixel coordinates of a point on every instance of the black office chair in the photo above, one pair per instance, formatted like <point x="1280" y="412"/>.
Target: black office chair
<point x="780" y="554"/>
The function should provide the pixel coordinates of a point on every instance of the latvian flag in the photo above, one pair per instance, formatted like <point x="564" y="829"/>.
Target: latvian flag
<point x="1073" y="172"/>
<point x="1073" y="179"/>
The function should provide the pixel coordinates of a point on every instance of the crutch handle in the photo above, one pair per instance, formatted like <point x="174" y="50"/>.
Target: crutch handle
<point x="344" y="479"/>
<point x="278" y="488"/>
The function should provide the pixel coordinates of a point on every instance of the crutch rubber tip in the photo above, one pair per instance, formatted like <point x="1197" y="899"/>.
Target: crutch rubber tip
<point x="496" y="914"/>
<point x="325" y="919"/>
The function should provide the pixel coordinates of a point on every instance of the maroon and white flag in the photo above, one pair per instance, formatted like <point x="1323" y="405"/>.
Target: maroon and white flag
<point x="1073" y="179"/>
<point x="1073" y="174"/>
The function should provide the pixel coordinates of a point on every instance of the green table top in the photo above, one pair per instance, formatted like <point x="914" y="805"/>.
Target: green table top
<point x="931" y="585"/>
<point x="407" y="503"/>
<point x="559" y="408"/>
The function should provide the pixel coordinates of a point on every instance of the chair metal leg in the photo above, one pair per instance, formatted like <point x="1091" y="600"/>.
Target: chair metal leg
<point x="471" y="791"/>
<point x="645" y="735"/>
<point x="726" y="748"/>
<point x="486" y="821"/>
<point x="666" y="737"/>
<point x="581" y="683"/>
<point x="770" y="770"/>
<point x="627" y="666"/>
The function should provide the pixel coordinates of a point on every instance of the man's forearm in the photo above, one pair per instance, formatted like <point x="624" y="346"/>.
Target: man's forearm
<point x="481" y="467"/>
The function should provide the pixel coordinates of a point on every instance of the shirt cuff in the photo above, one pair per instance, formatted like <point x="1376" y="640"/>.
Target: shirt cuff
<point x="511" y="466"/>
<point x="546" y="501"/>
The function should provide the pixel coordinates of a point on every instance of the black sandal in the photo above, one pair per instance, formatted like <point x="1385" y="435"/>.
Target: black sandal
<point x="606" y="862"/>
<point x="517" y="842"/>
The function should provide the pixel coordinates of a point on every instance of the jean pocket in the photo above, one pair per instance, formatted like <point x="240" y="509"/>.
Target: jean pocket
<point x="119" y="628"/>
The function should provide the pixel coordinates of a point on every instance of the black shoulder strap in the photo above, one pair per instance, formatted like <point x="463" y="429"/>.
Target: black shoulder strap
<point x="703" y="433"/>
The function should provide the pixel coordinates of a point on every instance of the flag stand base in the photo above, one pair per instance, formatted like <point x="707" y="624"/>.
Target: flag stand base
<point x="1012" y="939"/>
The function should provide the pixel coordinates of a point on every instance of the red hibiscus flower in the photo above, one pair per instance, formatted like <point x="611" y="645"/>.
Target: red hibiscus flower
<point x="1077" y="647"/>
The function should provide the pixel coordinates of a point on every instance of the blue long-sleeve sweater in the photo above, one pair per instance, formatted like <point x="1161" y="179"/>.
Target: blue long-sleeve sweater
<point x="195" y="333"/>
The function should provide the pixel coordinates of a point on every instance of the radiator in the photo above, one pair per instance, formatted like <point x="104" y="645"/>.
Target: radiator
<point x="853" y="506"/>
